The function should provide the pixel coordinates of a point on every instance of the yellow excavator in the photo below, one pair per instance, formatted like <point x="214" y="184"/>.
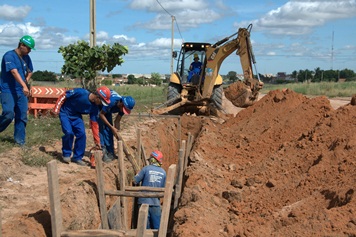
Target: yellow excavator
<point x="201" y="91"/>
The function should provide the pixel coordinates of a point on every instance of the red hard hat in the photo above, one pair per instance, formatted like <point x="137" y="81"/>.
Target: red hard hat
<point x="104" y="94"/>
<point x="157" y="155"/>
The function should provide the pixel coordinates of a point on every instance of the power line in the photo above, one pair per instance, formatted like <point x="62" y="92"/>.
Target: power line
<point x="171" y="15"/>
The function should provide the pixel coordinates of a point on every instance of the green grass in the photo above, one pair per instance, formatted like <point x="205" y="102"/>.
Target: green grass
<point x="329" y="89"/>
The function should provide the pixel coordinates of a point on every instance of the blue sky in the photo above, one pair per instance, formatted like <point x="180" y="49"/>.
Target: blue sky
<point x="286" y="35"/>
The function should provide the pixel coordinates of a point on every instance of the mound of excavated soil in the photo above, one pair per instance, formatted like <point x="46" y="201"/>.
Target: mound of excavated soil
<point x="282" y="167"/>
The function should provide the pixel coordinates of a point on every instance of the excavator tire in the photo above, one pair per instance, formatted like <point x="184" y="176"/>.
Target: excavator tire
<point x="240" y="94"/>
<point x="217" y="96"/>
<point x="174" y="91"/>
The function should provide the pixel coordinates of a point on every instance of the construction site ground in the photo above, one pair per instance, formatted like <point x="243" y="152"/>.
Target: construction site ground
<point x="285" y="166"/>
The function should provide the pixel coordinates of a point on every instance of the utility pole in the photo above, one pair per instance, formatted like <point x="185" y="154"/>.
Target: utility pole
<point x="172" y="39"/>
<point x="92" y="29"/>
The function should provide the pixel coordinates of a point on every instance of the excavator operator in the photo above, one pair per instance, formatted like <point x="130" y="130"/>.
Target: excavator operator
<point x="195" y="68"/>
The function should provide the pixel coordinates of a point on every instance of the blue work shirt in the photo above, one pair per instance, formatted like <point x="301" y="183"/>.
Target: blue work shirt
<point x="112" y="107"/>
<point x="151" y="176"/>
<point x="77" y="103"/>
<point x="10" y="61"/>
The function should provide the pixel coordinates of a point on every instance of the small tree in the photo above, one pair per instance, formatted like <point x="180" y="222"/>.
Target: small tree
<point x="83" y="61"/>
<point x="156" y="78"/>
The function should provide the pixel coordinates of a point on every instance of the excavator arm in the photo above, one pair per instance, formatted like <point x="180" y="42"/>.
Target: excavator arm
<point x="242" y="93"/>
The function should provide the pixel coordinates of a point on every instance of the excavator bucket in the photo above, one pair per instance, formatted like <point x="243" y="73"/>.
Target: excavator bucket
<point x="243" y="94"/>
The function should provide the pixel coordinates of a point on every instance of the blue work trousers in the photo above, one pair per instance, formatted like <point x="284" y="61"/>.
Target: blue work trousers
<point x="73" y="128"/>
<point x="154" y="217"/>
<point x="106" y="135"/>
<point x="14" y="106"/>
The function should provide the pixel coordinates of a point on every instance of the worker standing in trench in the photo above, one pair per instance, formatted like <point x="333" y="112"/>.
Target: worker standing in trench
<point x="152" y="175"/>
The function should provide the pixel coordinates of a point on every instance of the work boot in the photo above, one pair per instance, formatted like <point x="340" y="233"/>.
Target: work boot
<point x="79" y="162"/>
<point x="106" y="157"/>
<point x="112" y="156"/>
<point x="66" y="159"/>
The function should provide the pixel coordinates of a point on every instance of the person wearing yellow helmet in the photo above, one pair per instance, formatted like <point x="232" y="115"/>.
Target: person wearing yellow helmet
<point x="16" y="71"/>
<point x="195" y="68"/>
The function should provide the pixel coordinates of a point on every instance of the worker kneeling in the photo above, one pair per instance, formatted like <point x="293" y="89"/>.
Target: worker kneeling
<point x="152" y="175"/>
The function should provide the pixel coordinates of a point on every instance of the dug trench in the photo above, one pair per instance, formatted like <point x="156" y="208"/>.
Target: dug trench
<point x="282" y="167"/>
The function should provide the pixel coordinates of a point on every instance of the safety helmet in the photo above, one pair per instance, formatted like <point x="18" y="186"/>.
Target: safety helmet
<point x="158" y="156"/>
<point x="129" y="104"/>
<point x="196" y="56"/>
<point x="28" y="41"/>
<point x="104" y="94"/>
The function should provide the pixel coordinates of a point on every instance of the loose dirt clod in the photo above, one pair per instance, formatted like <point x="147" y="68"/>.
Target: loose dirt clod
<point x="284" y="166"/>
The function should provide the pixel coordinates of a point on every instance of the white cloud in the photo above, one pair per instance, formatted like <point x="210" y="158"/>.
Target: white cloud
<point x="12" y="13"/>
<point x="11" y="33"/>
<point x="299" y="17"/>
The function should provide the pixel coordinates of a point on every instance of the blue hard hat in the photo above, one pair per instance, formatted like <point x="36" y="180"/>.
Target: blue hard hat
<point x="129" y="104"/>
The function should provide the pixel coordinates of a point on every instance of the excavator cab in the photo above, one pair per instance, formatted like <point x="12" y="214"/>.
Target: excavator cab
<point x="190" y="51"/>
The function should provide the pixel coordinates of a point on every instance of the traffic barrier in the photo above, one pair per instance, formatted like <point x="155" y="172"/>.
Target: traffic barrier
<point x="43" y="99"/>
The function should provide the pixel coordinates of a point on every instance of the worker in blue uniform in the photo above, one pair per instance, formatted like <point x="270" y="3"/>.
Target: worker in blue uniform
<point x="71" y="106"/>
<point x="152" y="175"/>
<point x="107" y="129"/>
<point x="16" y="71"/>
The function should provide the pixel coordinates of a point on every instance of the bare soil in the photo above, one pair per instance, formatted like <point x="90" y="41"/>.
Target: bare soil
<point x="282" y="167"/>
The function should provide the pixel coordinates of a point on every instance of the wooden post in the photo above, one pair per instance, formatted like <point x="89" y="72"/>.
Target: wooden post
<point x="54" y="198"/>
<point x="167" y="200"/>
<point x="0" y="223"/>
<point x="122" y="179"/>
<point x="101" y="191"/>
<point x="128" y="154"/>
<point x="139" y="151"/>
<point x="188" y="150"/>
<point x="179" y="181"/>
<point x="144" y="157"/>
<point x="142" y="220"/>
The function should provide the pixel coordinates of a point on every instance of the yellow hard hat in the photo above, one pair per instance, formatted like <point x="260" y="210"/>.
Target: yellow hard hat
<point x="196" y="56"/>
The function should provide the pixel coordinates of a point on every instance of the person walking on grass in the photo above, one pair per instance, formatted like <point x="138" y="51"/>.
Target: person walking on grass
<point x="16" y="71"/>
<point x="120" y="105"/>
<point x="152" y="175"/>
<point x="71" y="105"/>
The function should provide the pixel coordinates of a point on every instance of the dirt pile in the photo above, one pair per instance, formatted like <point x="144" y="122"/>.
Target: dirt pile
<point x="283" y="167"/>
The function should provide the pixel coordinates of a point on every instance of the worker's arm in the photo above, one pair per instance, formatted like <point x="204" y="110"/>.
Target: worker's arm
<point x="95" y="130"/>
<point x="107" y="123"/>
<point x="117" y="121"/>
<point x="18" y="78"/>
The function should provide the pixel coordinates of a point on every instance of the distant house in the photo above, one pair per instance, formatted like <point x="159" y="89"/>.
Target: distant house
<point x="281" y="76"/>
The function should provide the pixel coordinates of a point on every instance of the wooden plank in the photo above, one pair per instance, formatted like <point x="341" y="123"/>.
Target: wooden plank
<point x="122" y="176"/>
<point x="91" y="233"/>
<point x="144" y="188"/>
<point x="101" y="193"/>
<point x="114" y="217"/>
<point x="134" y="194"/>
<point x="142" y="220"/>
<point x="54" y="198"/>
<point x="167" y="201"/>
